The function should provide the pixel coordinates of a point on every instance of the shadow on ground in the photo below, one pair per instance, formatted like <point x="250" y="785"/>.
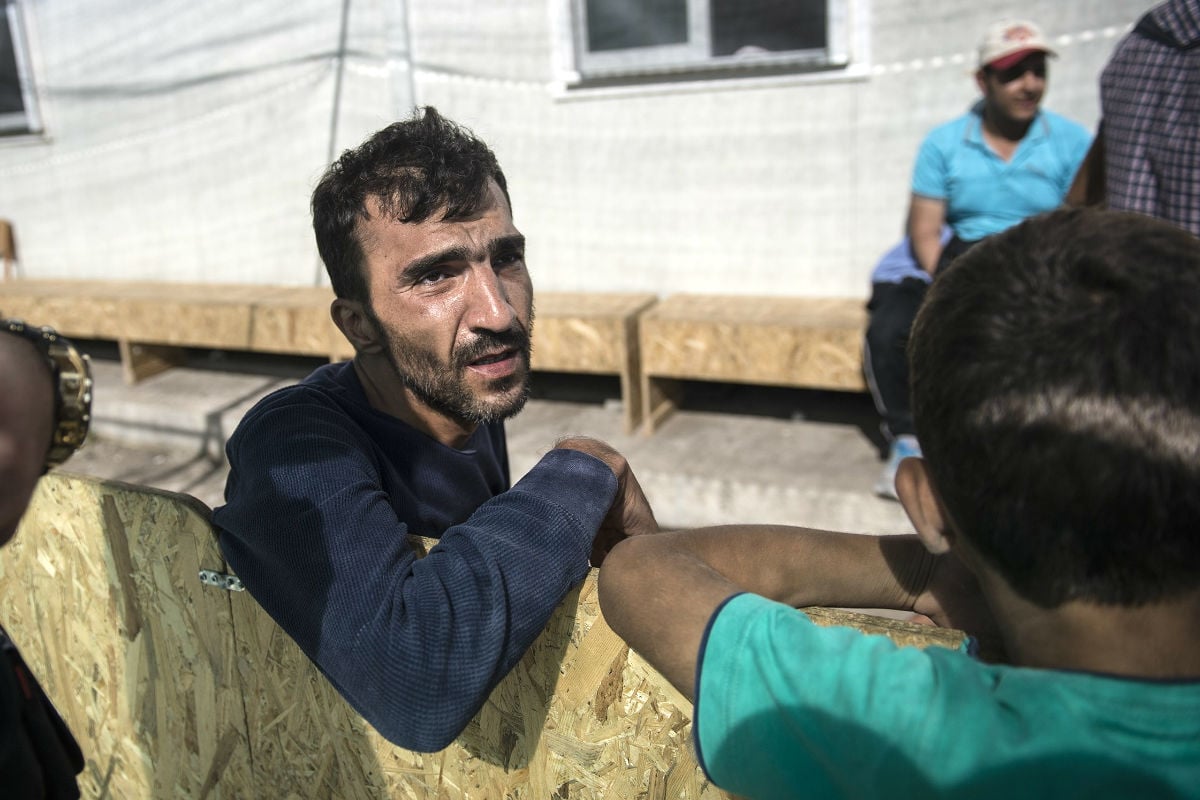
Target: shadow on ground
<point x="854" y="409"/>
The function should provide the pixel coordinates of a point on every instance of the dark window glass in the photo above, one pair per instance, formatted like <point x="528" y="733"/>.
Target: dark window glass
<point x="10" y="81"/>
<point x="622" y="24"/>
<point x="774" y="25"/>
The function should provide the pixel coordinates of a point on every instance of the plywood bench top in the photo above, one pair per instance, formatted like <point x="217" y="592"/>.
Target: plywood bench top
<point x="820" y="312"/>
<point x="576" y="332"/>
<point x="590" y="304"/>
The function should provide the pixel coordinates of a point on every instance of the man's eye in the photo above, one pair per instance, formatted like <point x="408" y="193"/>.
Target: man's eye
<point x="508" y="259"/>
<point x="430" y="278"/>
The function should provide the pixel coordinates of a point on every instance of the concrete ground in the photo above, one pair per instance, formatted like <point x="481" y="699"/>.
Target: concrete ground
<point x="732" y="454"/>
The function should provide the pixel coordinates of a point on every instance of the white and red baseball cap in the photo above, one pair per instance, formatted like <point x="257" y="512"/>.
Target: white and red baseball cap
<point x="1008" y="41"/>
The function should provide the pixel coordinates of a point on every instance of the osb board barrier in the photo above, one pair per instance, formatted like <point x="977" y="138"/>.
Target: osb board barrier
<point x="581" y="716"/>
<point x="793" y="341"/>
<point x="100" y="590"/>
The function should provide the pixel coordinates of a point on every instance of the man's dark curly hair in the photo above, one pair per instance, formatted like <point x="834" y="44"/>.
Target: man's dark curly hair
<point x="416" y="168"/>
<point x="1056" y="394"/>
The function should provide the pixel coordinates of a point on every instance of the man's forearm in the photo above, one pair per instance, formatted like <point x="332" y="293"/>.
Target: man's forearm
<point x="927" y="249"/>
<point x="926" y="218"/>
<point x="802" y="566"/>
<point x="659" y="592"/>
<point x="26" y="426"/>
<point x="414" y="645"/>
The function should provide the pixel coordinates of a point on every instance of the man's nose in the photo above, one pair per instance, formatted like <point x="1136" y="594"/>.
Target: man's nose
<point x="488" y="305"/>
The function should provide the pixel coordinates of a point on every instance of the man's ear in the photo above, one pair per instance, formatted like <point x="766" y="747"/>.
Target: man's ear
<point x="354" y="323"/>
<point x="981" y="80"/>
<point x="921" y="503"/>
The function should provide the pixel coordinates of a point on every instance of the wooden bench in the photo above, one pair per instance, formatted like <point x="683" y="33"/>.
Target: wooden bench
<point x="778" y="341"/>
<point x="153" y="321"/>
<point x="592" y="333"/>
<point x="178" y="688"/>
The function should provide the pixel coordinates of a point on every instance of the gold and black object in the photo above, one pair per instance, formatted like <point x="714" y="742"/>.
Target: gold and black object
<point x="72" y="387"/>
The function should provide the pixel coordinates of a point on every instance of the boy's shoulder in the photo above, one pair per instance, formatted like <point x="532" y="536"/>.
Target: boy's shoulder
<point x="829" y="698"/>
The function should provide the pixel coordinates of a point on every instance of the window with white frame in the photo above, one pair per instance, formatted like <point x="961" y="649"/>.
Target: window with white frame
<point x="632" y="39"/>
<point x="18" y="101"/>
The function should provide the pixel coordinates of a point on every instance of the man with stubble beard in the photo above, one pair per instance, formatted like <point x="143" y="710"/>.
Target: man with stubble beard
<point x="329" y="477"/>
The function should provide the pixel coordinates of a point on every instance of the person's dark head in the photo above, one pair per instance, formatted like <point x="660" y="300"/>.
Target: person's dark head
<point x="1055" y="382"/>
<point x="415" y="227"/>
<point x="416" y="169"/>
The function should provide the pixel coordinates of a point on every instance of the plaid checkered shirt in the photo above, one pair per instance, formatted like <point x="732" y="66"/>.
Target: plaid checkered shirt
<point x="1150" y="104"/>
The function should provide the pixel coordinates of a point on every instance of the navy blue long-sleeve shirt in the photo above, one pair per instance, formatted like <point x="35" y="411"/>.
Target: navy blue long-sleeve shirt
<point x="322" y="494"/>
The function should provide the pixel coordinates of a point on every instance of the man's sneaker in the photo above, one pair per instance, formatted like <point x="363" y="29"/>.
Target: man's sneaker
<point x="903" y="447"/>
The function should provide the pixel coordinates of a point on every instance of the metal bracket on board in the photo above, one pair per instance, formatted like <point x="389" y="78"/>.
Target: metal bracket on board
<point x="221" y="580"/>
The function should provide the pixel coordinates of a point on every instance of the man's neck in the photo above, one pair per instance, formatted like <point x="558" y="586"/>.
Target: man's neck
<point x="1003" y="134"/>
<point x="1154" y="641"/>
<point x="387" y="393"/>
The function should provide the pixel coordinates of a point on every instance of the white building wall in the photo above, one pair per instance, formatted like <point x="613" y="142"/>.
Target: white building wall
<point x="184" y="138"/>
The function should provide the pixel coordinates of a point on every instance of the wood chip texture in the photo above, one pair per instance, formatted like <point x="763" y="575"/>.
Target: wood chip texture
<point x="182" y="690"/>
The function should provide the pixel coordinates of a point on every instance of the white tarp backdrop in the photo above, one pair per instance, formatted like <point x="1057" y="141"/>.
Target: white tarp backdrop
<point x="182" y="139"/>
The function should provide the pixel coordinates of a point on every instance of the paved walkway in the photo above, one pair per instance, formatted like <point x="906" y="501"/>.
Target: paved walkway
<point x="733" y="454"/>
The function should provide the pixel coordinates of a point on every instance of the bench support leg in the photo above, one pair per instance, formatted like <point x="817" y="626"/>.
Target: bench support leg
<point x="660" y="398"/>
<point x="140" y="361"/>
<point x="631" y="377"/>
<point x="631" y="402"/>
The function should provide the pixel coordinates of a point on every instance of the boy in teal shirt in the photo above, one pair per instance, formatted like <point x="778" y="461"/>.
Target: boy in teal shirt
<point x="1056" y="391"/>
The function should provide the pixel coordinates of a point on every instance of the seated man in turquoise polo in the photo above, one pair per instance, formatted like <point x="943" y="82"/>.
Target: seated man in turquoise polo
<point x="1003" y="161"/>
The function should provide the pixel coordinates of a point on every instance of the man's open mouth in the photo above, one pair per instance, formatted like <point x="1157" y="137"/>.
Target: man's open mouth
<point x="493" y="358"/>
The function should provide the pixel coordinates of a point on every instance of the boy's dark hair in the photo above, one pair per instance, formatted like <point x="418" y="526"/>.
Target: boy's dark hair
<point x="415" y="168"/>
<point x="1056" y="395"/>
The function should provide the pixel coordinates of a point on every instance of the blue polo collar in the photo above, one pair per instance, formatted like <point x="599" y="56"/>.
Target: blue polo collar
<point x="1039" y="131"/>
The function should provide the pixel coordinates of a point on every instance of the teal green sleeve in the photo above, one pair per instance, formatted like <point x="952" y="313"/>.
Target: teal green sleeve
<point x="782" y="702"/>
<point x="785" y="708"/>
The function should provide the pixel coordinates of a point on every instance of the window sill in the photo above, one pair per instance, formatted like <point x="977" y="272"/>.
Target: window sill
<point x="573" y="86"/>
<point x="24" y="139"/>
